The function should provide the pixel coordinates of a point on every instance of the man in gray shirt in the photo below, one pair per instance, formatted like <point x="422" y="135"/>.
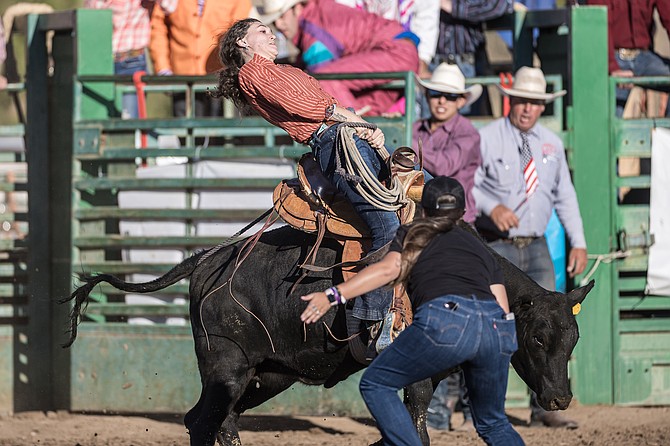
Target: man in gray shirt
<point x="524" y="176"/>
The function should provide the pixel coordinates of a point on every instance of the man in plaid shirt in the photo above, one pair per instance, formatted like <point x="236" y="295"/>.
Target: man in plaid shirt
<point x="131" y="21"/>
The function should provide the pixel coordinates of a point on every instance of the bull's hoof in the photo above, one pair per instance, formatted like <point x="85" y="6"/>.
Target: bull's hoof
<point x="554" y="420"/>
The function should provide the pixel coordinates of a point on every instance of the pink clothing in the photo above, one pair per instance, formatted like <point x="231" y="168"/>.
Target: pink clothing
<point x="334" y="38"/>
<point x="396" y="55"/>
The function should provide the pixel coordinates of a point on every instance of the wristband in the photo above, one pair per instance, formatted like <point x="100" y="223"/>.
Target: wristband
<point x="330" y="294"/>
<point x="334" y="296"/>
<point x="340" y="298"/>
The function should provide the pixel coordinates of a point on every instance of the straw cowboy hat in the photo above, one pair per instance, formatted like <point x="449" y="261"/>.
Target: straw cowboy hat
<point x="271" y="10"/>
<point x="529" y="83"/>
<point x="447" y="78"/>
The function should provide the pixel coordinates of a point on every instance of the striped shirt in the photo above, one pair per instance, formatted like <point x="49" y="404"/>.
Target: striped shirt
<point x="131" y="20"/>
<point x="285" y="96"/>
<point x="499" y="180"/>
<point x="461" y="31"/>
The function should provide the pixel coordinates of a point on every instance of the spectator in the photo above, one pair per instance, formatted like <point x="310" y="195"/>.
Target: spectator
<point x="334" y="38"/>
<point x="450" y="142"/>
<point x="130" y="38"/>
<point x="515" y="195"/>
<point x="184" y="43"/>
<point x="450" y="148"/>
<point x="630" y="28"/>
<point x="457" y="294"/>
<point x="461" y="37"/>
<point x="419" y="16"/>
<point x="293" y="100"/>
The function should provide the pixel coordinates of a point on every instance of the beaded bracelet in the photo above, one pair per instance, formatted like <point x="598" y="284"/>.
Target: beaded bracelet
<point x="330" y="294"/>
<point x="334" y="296"/>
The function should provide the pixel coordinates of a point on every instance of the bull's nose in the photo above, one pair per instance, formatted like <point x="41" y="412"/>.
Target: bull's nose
<point x="560" y="403"/>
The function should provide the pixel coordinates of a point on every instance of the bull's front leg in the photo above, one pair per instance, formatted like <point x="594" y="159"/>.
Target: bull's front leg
<point x="417" y="399"/>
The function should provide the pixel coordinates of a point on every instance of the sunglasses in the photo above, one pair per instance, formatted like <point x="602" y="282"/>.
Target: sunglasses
<point x="448" y="96"/>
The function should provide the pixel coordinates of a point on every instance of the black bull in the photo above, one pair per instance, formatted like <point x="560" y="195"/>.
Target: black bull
<point x="251" y="345"/>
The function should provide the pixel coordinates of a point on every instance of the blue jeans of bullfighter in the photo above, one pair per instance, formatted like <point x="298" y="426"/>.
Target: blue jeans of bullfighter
<point x="446" y="332"/>
<point x="383" y="224"/>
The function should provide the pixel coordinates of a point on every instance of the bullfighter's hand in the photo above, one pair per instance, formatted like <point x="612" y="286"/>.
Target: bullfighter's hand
<point x="504" y="218"/>
<point x="576" y="261"/>
<point x="317" y="305"/>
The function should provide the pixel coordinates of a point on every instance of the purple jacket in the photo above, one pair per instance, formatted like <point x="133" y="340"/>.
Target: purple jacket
<point x="451" y="150"/>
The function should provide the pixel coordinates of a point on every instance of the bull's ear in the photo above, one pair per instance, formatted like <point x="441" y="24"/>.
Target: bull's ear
<point x="578" y="295"/>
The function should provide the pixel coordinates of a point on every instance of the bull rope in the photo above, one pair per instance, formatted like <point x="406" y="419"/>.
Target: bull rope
<point x="356" y="170"/>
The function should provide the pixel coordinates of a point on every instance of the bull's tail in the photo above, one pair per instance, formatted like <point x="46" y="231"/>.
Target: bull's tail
<point x="80" y="295"/>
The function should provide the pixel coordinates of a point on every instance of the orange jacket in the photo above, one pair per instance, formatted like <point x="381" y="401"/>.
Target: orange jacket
<point x="186" y="43"/>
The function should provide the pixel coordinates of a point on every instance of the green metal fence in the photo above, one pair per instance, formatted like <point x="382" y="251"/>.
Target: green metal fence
<point x="14" y="316"/>
<point x="642" y="328"/>
<point x="624" y="349"/>
<point x="92" y="190"/>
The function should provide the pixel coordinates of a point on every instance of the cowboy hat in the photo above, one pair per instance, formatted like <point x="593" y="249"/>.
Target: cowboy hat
<point x="447" y="78"/>
<point x="271" y="10"/>
<point x="529" y="83"/>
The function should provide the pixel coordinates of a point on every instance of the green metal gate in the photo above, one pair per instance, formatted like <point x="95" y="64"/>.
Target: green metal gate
<point x="90" y="166"/>
<point x="623" y="356"/>
<point x="84" y="158"/>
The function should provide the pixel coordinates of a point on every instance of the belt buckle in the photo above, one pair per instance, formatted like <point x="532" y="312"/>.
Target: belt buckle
<point x="628" y="53"/>
<point x="125" y="55"/>
<point x="522" y="242"/>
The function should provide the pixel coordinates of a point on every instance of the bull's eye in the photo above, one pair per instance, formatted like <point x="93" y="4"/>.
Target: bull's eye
<point x="538" y="340"/>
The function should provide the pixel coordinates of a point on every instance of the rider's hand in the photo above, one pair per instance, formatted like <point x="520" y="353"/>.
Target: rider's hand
<point x="374" y="137"/>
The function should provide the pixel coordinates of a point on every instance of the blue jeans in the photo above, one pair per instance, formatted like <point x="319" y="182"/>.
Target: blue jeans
<point x="472" y="333"/>
<point x="128" y="67"/>
<point x="647" y="63"/>
<point x="382" y="224"/>
<point x="534" y="260"/>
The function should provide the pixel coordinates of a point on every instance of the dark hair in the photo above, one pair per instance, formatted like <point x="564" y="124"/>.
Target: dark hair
<point x="230" y="56"/>
<point x="420" y="233"/>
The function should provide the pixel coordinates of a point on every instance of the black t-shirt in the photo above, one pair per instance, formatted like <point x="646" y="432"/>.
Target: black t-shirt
<point x="453" y="262"/>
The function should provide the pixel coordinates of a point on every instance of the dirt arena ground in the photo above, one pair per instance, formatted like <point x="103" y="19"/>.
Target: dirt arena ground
<point x="618" y="426"/>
